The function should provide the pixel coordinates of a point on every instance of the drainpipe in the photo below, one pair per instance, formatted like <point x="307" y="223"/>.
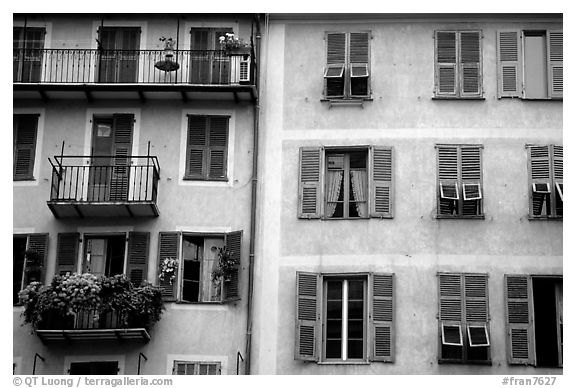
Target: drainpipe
<point x="253" y="205"/>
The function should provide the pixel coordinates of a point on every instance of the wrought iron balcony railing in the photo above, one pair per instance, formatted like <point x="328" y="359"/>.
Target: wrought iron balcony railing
<point x="85" y="66"/>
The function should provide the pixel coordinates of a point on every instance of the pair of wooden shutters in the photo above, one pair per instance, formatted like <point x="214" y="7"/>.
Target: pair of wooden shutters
<point x="546" y="180"/>
<point x="459" y="180"/>
<point x="347" y="69"/>
<point x="311" y="182"/>
<point x="137" y="264"/>
<point x="511" y="63"/>
<point x="169" y="247"/>
<point x="25" y="134"/>
<point x="208" y="64"/>
<point x="36" y="272"/>
<point x="463" y="309"/>
<point x="458" y="64"/>
<point x="119" y="55"/>
<point x="207" y="147"/>
<point x="309" y="319"/>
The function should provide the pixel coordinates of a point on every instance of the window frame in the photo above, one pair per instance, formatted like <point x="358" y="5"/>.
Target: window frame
<point x="86" y="237"/>
<point x="32" y="148"/>
<point x="553" y="181"/>
<point x="196" y="365"/>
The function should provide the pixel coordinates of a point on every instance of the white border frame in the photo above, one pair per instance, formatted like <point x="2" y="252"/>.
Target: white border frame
<point x="121" y="358"/>
<point x="476" y="326"/>
<point x="39" y="143"/>
<point x="459" y="326"/>
<point x="223" y="360"/>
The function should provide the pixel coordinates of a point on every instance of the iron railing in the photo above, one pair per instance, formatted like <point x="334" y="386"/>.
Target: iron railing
<point x="83" y="320"/>
<point x="86" y="66"/>
<point x="89" y="179"/>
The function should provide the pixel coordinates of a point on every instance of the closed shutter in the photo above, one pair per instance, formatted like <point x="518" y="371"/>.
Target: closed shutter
<point x="381" y="189"/>
<point x="382" y="314"/>
<point x="218" y="144"/>
<point x="519" y="320"/>
<point x="359" y="64"/>
<point x="539" y="180"/>
<point x="196" y="149"/>
<point x="26" y="128"/>
<point x="448" y="190"/>
<point x="334" y="73"/>
<point x="470" y="63"/>
<point x="168" y="248"/>
<point x="555" y="64"/>
<point x="137" y="267"/>
<point x="476" y="309"/>
<point x="37" y="242"/>
<point x="67" y="253"/>
<point x="119" y="182"/>
<point x="307" y="314"/>
<point x="509" y="64"/>
<point x="233" y="243"/>
<point x="309" y="190"/>
<point x="446" y="63"/>
<point x="471" y="180"/>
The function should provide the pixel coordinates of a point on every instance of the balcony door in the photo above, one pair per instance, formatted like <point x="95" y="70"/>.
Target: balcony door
<point x="110" y="161"/>
<point x="208" y="65"/>
<point x="104" y="255"/>
<point x="28" y="52"/>
<point x="120" y="49"/>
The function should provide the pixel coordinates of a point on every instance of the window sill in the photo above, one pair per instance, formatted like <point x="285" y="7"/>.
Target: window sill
<point x="22" y="179"/>
<point x="548" y="218"/>
<point x="469" y="362"/>
<point x="356" y="101"/>
<point x="345" y="219"/>
<point x="188" y="179"/>
<point x="479" y="98"/>
<point x="343" y="363"/>
<point x="448" y="217"/>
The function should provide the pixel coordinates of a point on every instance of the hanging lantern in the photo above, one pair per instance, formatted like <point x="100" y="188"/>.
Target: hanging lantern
<point x="168" y="63"/>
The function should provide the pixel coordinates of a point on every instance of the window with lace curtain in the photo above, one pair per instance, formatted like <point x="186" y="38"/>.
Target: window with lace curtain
<point x="346" y="185"/>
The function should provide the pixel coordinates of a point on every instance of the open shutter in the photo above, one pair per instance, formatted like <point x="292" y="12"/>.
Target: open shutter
<point x="196" y="149"/>
<point x="519" y="320"/>
<point x="334" y="73"/>
<point x="539" y="180"/>
<point x="233" y="243"/>
<point x="446" y="63"/>
<point x="67" y="253"/>
<point x="381" y="190"/>
<point x="309" y="190"/>
<point x="36" y="272"/>
<point x="448" y="191"/>
<point x="471" y="179"/>
<point x="382" y="314"/>
<point x="26" y="128"/>
<point x="509" y="63"/>
<point x="359" y="64"/>
<point x="218" y="142"/>
<point x="470" y="63"/>
<point x="137" y="267"/>
<point x="168" y="248"/>
<point x="555" y="64"/>
<point x="307" y="316"/>
<point x="558" y="166"/>
<point x="119" y="182"/>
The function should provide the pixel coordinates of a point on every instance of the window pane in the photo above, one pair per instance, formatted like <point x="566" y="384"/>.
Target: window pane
<point x="451" y="352"/>
<point x="359" y="86"/>
<point x="190" y="291"/>
<point x="334" y="290"/>
<point x="334" y="309"/>
<point x="334" y="86"/>
<point x="334" y="348"/>
<point x="355" y="348"/>
<point x="355" y="309"/>
<point x="355" y="329"/>
<point x="356" y="289"/>
<point x="191" y="270"/>
<point x="358" y="160"/>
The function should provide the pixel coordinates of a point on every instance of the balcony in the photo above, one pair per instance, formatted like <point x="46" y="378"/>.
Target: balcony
<point x="142" y="74"/>
<point x="104" y="186"/>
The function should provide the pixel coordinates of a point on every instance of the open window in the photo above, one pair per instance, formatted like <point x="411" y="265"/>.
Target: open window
<point x="451" y="335"/>
<point x="546" y="181"/>
<point x="478" y="335"/>
<point x="28" y="260"/>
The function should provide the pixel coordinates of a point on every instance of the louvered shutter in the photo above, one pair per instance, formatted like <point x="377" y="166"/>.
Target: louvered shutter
<point x="310" y="178"/>
<point x="233" y="243"/>
<point x="539" y="176"/>
<point x="26" y="128"/>
<point x="307" y="316"/>
<point x="67" y="253"/>
<point x="509" y="60"/>
<point x="448" y="190"/>
<point x="196" y="149"/>
<point x="471" y="180"/>
<point x="558" y="166"/>
<point x="168" y="248"/>
<point x="381" y="190"/>
<point x="382" y="317"/>
<point x="137" y="267"/>
<point x="37" y="242"/>
<point x="450" y="298"/>
<point x="555" y="64"/>
<point x="519" y="320"/>
<point x="335" y="64"/>
<point x="476" y="303"/>
<point x="359" y="60"/>
<point x="446" y="63"/>
<point x="470" y="63"/>
<point x="119" y="181"/>
<point x="218" y="143"/>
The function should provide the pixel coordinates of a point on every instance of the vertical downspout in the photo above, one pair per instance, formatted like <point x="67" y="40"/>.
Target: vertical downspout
<point x="253" y="202"/>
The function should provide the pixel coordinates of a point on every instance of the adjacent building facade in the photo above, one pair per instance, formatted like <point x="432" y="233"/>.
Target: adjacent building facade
<point x="410" y="217"/>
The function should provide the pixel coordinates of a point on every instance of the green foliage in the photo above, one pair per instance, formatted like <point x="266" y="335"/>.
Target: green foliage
<point x="226" y="265"/>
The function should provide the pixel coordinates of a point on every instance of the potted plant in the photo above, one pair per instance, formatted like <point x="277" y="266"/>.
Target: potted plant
<point x="226" y="266"/>
<point x="168" y="269"/>
<point x="234" y="45"/>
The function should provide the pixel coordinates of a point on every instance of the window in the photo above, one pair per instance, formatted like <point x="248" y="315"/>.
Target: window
<point x="530" y="64"/>
<point x="28" y="257"/>
<point x="196" y="368"/>
<point x="333" y="321"/>
<point x="546" y="181"/>
<point x="534" y="316"/>
<point x="355" y="182"/>
<point x="208" y="65"/>
<point x="207" y="147"/>
<point x="459" y="190"/>
<point x="464" y="332"/>
<point x="347" y="71"/>
<point x="197" y="256"/>
<point x="458" y="64"/>
<point x="28" y="53"/>
<point x="25" y="128"/>
<point x="105" y="254"/>
<point x="119" y="56"/>
<point x="94" y="368"/>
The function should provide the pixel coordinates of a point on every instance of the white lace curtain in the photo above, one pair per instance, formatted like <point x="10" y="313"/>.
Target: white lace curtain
<point x="359" y="181"/>
<point x="333" y="191"/>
